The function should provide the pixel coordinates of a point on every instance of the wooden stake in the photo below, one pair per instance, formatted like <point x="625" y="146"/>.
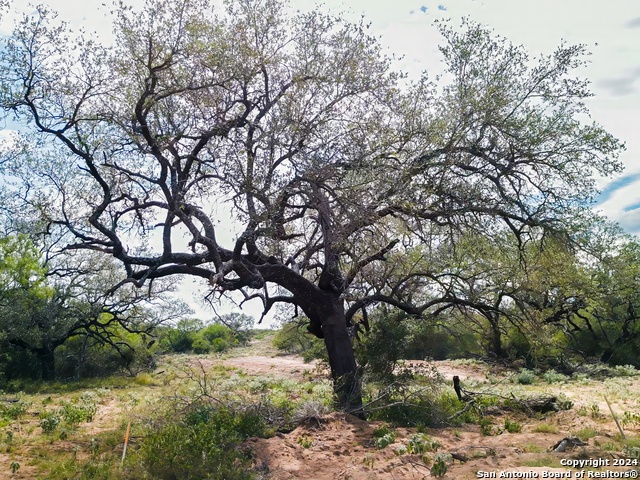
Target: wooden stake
<point x="614" y="416"/>
<point x="126" y="442"/>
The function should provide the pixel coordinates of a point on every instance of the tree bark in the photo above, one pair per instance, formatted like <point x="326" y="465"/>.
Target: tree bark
<point x="344" y="371"/>
<point x="347" y="383"/>
<point x="46" y="357"/>
<point x="324" y="307"/>
<point x="496" y="338"/>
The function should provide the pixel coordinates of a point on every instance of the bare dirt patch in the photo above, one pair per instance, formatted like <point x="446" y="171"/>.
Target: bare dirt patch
<point x="283" y="367"/>
<point x="341" y="446"/>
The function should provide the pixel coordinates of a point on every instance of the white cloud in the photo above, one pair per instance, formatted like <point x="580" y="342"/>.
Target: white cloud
<point x="633" y="23"/>
<point x="7" y="134"/>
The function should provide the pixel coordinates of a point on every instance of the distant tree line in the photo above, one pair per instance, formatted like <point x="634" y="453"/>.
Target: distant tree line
<point x="59" y="319"/>
<point x="555" y="302"/>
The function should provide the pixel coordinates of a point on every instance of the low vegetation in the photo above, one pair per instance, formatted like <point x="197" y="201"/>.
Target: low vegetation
<point x="207" y="411"/>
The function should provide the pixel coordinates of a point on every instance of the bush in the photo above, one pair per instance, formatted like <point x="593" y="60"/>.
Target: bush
<point x="49" y="421"/>
<point x="200" y="346"/>
<point x="180" y="338"/>
<point x="219" y="345"/>
<point x="16" y="363"/>
<point x="83" y="410"/>
<point x="292" y="338"/>
<point x="239" y="324"/>
<point x="397" y="336"/>
<point x="83" y="357"/>
<point x="217" y="331"/>
<point x="417" y="408"/>
<point x="422" y="443"/>
<point x="201" y="443"/>
<point x="190" y="335"/>
<point x="383" y="346"/>
<point x="551" y="376"/>
<point x="384" y="435"/>
<point x="511" y="426"/>
<point x="14" y="410"/>
<point x="525" y="377"/>
<point x="625" y="371"/>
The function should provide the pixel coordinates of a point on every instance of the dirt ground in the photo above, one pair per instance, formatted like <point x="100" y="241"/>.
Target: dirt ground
<point x="278" y="366"/>
<point x="341" y="446"/>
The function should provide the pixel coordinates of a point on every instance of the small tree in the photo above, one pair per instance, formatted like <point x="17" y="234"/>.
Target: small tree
<point x="336" y="169"/>
<point x="42" y="307"/>
<point x="599" y="303"/>
<point x="239" y="323"/>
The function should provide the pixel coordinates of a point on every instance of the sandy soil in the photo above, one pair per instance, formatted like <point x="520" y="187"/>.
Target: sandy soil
<point x="341" y="446"/>
<point x="282" y="366"/>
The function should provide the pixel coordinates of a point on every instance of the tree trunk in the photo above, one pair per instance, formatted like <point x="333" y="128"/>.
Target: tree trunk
<point x="346" y="380"/>
<point x="496" y="338"/>
<point x="46" y="357"/>
<point x="347" y="383"/>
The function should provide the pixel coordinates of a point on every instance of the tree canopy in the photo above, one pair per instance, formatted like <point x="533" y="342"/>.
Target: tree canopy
<point x="346" y="177"/>
<point x="43" y="305"/>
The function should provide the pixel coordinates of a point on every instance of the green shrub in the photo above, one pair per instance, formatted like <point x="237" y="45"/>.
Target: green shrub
<point x="385" y="440"/>
<point x="49" y="421"/>
<point x="586" y="433"/>
<point x="202" y="443"/>
<point x="16" y="363"/>
<point x="546" y="428"/>
<point x="180" y="338"/>
<point x="201" y="346"/>
<point x="14" y="410"/>
<point x="487" y="428"/>
<point x="425" y="408"/>
<point x="421" y="443"/>
<point x="551" y="376"/>
<point x="240" y="326"/>
<point x="439" y="467"/>
<point x="525" y="377"/>
<point x="292" y="338"/>
<point x="395" y="336"/>
<point x="382" y="430"/>
<point x="511" y="426"/>
<point x="219" y="345"/>
<point x="191" y="335"/>
<point x="625" y="371"/>
<point x="383" y="346"/>
<point x="317" y="351"/>
<point x="305" y="441"/>
<point x="79" y="412"/>
<point x="631" y="452"/>
<point x="82" y="357"/>
<point x="630" y="418"/>
<point x="211" y="332"/>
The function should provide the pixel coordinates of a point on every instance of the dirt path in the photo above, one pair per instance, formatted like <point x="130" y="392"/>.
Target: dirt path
<point x="283" y="366"/>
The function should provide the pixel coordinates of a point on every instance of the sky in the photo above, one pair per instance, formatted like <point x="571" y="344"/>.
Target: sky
<point x="610" y="30"/>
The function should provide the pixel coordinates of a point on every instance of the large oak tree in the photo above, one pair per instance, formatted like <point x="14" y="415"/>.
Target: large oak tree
<point x="339" y="170"/>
